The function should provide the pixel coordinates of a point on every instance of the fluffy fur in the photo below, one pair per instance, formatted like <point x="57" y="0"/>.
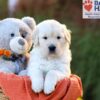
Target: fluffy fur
<point x="50" y="58"/>
<point x="16" y="36"/>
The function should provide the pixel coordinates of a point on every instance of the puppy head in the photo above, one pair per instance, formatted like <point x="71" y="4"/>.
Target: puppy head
<point x="52" y="38"/>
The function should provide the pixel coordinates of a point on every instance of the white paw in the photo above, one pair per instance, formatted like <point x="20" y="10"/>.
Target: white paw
<point x="49" y="88"/>
<point x="37" y="86"/>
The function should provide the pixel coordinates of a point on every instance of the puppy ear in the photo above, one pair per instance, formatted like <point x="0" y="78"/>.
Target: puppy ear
<point x="36" y="37"/>
<point x="67" y="33"/>
<point x="30" y="22"/>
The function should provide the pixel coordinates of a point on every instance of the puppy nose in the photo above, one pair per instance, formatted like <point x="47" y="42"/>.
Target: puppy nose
<point x="21" y="42"/>
<point x="52" y="48"/>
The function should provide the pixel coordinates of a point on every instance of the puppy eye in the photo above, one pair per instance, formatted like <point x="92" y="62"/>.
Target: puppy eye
<point x="12" y="34"/>
<point x="58" y="37"/>
<point x="45" y="38"/>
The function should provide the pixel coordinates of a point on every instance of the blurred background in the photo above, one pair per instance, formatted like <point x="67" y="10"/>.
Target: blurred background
<point x="85" y="35"/>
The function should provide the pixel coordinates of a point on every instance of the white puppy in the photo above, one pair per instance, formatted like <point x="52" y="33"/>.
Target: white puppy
<point x="50" y="57"/>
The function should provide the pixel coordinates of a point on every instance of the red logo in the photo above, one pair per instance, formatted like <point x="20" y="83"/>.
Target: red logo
<point x="88" y="5"/>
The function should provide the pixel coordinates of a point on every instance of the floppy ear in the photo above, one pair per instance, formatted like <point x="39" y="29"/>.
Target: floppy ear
<point x="30" y="22"/>
<point x="36" y="37"/>
<point x="67" y="33"/>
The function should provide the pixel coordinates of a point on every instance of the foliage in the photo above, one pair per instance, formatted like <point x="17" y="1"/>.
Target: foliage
<point x="86" y="56"/>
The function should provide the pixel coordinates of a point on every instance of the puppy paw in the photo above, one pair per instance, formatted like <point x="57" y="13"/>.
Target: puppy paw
<point x="37" y="86"/>
<point x="49" y="88"/>
<point x="50" y="82"/>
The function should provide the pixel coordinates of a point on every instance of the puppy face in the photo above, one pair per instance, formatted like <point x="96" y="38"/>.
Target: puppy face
<point x="52" y="38"/>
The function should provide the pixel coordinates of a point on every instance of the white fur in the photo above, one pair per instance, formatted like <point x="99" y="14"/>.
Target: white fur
<point x="46" y="69"/>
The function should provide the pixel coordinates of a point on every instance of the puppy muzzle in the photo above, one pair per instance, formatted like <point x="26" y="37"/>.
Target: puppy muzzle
<point x="52" y="48"/>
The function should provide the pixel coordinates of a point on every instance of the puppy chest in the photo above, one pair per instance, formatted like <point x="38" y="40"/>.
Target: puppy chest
<point x="48" y="65"/>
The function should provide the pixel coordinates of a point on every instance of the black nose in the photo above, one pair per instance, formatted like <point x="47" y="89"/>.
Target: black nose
<point x="21" y="42"/>
<point x="52" y="48"/>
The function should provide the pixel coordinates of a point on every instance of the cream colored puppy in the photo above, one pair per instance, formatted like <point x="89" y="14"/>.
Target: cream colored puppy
<point x="51" y="56"/>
